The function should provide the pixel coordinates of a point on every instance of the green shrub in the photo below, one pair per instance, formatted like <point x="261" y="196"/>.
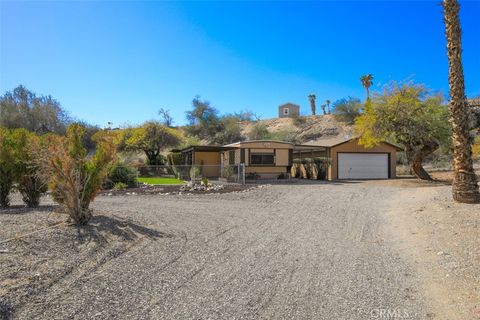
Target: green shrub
<point x="298" y="120"/>
<point x="227" y="172"/>
<point x="252" y="176"/>
<point x="176" y="158"/>
<point x="123" y="173"/>
<point x="282" y="176"/>
<point x="30" y="182"/>
<point x="205" y="181"/>
<point x="195" y="173"/>
<point x="119" y="186"/>
<point x="7" y="166"/>
<point x="159" y="160"/>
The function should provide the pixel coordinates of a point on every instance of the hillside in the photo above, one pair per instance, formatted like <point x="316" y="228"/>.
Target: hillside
<point x="311" y="128"/>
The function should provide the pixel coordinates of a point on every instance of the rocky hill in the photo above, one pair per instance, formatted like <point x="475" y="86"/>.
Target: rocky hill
<point x="307" y="128"/>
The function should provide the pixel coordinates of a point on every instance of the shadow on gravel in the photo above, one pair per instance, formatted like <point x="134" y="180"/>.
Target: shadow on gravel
<point x="6" y="310"/>
<point x="102" y="228"/>
<point x="21" y="209"/>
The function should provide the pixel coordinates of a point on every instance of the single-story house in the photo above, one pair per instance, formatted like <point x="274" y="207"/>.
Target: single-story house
<point x="268" y="159"/>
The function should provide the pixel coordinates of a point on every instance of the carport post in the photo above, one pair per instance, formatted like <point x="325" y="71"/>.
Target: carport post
<point x="242" y="179"/>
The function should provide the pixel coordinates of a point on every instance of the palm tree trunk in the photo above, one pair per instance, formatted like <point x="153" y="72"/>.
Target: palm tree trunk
<point x="465" y="187"/>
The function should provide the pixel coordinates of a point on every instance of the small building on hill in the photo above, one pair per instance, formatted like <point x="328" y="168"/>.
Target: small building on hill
<point x="288" y="110"/>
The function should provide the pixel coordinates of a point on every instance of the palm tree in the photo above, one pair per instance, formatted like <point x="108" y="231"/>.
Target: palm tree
<point x="312" y="98"/>
<point x="465" y="187"/>
<point x="323" y="106"/>
<point x="367" y="81"/>
<point x="327" y="102"/>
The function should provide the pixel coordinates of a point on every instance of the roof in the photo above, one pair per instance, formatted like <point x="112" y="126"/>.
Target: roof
<point x="202" y="148"/>
<point x="475" y="102"/>
<point x="235" y="144"/>
<point x="333" y="142"/>
<point x="289" y="104"/>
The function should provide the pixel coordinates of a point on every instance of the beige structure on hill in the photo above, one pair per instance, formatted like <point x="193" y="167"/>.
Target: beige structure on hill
<point x="288" y="110"/>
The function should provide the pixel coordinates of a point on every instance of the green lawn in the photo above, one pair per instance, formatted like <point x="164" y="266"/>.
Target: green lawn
<point x="159" y="180"/>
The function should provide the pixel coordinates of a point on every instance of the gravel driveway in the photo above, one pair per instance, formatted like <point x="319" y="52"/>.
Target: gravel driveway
<point x="277" y="252"/>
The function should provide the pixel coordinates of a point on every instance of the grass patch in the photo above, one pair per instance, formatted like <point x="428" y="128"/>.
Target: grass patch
<point x="159" y="180"/>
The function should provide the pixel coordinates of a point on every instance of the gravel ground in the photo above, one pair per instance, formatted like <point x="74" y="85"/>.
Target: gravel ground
<point x="317" y="251"/>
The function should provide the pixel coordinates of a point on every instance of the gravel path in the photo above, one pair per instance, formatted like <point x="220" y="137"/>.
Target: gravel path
<point x="275" y="252"/>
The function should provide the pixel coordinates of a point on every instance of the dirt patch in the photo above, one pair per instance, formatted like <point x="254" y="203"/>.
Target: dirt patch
<point x="59" y="254"/>
<point x="442" y="239"/>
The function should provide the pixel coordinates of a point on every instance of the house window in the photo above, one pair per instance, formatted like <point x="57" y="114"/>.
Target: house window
<point x="231" y="157"/>
<point x="286" y="111"/>
<point x="262" y="159"/>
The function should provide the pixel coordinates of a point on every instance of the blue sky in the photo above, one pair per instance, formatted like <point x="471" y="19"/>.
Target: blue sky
<point x="121" y="61"/>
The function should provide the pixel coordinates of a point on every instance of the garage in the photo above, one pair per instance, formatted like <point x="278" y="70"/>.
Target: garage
<point x="363" y="165"/>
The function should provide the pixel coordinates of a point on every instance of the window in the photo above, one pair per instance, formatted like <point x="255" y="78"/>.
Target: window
<point x="286" y="111"/>
<point x="231" y="157"/>
<point x="262" y="159"/>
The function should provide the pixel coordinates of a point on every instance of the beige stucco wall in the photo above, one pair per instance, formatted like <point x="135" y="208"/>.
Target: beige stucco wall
<point x="260" y="170"/>
<point x="281" y="150"/>
<point x="353" y="146"/>
<point x="282" y="157"/>
<point x="210" y="161"/>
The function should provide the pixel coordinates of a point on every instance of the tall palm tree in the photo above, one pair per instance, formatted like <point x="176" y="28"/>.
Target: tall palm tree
<point x="327" y="102"/>
<point x="323" y="106"/>
<point x="465" y="187"/>
<point x="367" y="81"/>
<point x="312" y="98"/>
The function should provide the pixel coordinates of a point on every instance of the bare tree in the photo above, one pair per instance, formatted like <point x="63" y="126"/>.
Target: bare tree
<point x="166" y="118"/>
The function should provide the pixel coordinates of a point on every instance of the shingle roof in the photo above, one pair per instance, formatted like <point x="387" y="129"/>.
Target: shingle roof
<point x="329" y="143"/>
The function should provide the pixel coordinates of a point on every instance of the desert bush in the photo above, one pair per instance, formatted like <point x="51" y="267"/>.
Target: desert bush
<point x="286" y="136"/>
<point x="119" y="186"/>
<point x="29" y="181"/>
<point x="75" y="179"/>
<point x="347" y="110"/>
<point x="298" y="120"/>
<point x="7" y="167"/>
<point x="252" y="176"/>
<point x="195" y="172"/>
<point x="205" y="181"/>
<point x="282" y="176"/>
<point x="476" y="148"/>
<point x="227" y="172"/>
<point x="259" y="132"/>
<point x="175" y="158"/>
<point x="120" y="172"/>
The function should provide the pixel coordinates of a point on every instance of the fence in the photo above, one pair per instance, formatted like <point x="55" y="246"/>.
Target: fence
<point x="227" y="173"/>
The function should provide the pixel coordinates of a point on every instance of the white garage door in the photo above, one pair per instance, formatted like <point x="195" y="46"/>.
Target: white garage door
<point x="363" y="166"/>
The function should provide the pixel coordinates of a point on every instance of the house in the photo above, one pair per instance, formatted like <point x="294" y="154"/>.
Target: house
<point x="288" y="110"/>
<point x="269" y="159"/>
<point x="265" y="158"/>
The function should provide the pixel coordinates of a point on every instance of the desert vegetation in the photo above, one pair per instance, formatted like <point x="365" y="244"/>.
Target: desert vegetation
<point x="409" y="115"/>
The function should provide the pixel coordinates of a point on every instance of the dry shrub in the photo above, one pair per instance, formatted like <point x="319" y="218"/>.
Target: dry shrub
<point x="30" y="183"/>
<point x="76" y="178"/>
<point x="7" y="166"/>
